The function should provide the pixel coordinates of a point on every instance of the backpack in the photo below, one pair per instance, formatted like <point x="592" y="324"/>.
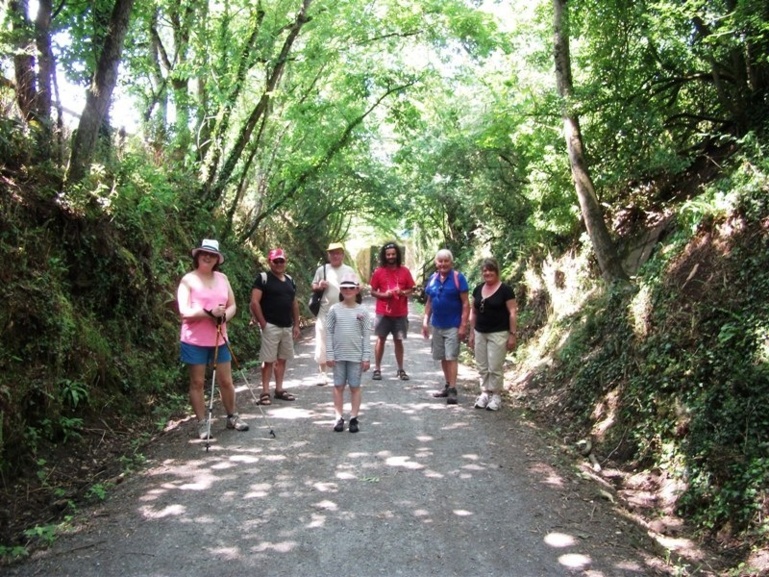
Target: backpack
<point x="264" y="278"/>
<point x="456" y="279"/>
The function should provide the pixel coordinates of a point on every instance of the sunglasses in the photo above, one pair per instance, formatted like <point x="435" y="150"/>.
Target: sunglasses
<point x="349" y="288"/>
<point x="482" y="305"/>
<point x="279" y="261"/>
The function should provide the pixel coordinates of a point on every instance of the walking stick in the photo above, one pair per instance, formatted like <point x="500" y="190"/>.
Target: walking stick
<point x="213" y="381"/>
<point x="248" y="386"/>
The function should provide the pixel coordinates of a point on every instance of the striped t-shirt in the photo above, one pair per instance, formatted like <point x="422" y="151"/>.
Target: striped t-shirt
<point x="348" y="332"/>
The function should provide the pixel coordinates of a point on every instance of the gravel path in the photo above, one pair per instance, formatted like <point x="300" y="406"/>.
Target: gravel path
<point x="424" y="489"/>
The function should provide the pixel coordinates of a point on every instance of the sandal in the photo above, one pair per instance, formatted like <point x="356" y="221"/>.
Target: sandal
<point x="284" y="396"/>
<point x="377" y="376"/>
<point x="402" y="375"/>
<point x="264" y="399"/>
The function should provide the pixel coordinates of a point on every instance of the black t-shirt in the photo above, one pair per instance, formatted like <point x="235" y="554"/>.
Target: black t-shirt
<point x="495" y="318"/>
<point x="277" y="299"/>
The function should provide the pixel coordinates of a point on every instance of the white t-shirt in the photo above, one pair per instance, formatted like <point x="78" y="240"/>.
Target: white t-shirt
<point x="333" y="276"/>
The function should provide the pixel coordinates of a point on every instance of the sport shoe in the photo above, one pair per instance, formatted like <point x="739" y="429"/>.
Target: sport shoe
<point x="495" y="403"/>
<point x="442" y="394"/>
<point x="354" y="425"/>
<point x="203" y="432"/>
<point x="339" y="427"/>
<point x="451" y="396"/>
<point x="482" y="401"/>
<point x="235" y="422"/>
<point x="322" y="379"/>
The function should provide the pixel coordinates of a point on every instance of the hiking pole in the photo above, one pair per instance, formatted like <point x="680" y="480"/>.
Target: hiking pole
<point x="213" y="381"/>
<point x="248" y="386"/>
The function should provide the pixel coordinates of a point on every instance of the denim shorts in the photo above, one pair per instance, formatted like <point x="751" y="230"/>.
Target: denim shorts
<point x="197" y="355"/>
<point x="347" y="373"/>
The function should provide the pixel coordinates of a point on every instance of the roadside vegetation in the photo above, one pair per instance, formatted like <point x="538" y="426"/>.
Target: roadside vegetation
<point x="441" y="124"/>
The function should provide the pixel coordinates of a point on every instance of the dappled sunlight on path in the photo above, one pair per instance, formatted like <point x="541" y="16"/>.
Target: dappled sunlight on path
<point x="423" y="489"/>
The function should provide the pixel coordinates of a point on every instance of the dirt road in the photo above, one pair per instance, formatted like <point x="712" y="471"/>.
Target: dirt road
<point x="423" y="489"/>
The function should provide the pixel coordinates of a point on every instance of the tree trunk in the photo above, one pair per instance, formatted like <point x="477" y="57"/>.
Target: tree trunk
<point x="45" y="63"/>
<point x="216" y="183"/>
<point x="24" y="60"/>
<point x="99" y="95"/>
<point x="605" y="251"/>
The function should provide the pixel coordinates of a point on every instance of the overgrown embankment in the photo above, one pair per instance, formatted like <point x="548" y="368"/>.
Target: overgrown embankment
<point x="89" y="362"/>
<point x="670" y="383"/>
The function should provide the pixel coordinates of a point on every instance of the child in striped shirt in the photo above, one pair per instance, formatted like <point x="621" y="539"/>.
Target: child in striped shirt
<point x="348" y="348"/>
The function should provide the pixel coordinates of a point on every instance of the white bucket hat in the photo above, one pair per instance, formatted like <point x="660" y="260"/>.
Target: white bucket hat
<point x="209" y="245"/>
<point x="349" y="280"/>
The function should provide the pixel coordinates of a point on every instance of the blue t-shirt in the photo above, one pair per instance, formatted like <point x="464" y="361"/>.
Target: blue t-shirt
<point x="446" y="299"/>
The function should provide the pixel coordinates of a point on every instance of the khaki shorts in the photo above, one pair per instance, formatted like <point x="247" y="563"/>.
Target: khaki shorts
<point x="277" y="343"/>
<point x="445" y="344"/>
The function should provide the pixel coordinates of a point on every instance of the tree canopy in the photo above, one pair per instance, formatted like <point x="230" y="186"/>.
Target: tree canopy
<point x="490" y="128"/>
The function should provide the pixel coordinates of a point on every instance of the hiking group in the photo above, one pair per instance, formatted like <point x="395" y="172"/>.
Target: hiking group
<point x="343" y="327"/>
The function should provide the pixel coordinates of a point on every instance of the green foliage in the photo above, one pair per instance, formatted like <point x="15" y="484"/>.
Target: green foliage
<point x="98" y="491"/>
<point x="73" y="392"/>
<point x="13" y="552"/>
<point x="46" y="533"/>
<point x="673" y="377"/>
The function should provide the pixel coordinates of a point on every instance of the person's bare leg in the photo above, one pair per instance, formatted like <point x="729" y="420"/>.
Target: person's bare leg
<point x="398" y="345"/>
<point x="280" y="371"/>
<point x="266" y="376"/>
<point x="452" y="369"/>
<point x="226" y="387"/>
<point x="197" y="396"/>
<point x="446" y="372"/>
<point x="339" y="402"/>
<point x="379" y="352"/>
<point x="355" y="398"/>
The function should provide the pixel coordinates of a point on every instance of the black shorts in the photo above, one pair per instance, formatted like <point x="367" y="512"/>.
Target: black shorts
<point x="398" y="327"/>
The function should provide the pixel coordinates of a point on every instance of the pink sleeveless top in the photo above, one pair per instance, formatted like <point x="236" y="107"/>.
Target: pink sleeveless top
<point x="202" y="331"/>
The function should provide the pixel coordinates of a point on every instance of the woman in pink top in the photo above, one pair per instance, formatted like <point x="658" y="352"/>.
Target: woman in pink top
<point x="206" y="303"/>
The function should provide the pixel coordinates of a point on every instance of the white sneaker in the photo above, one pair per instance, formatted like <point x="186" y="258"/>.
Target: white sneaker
<point x="235" y="422"/>
<point x="482" y="401"/>
<point x="495" y="403"/>
<point x="322" y="379"/>
<point x="203" y="432"/>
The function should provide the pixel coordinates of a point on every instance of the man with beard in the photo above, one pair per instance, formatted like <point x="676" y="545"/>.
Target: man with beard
<point x="391" y="286"/>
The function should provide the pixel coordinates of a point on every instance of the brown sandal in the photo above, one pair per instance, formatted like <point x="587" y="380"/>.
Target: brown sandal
<point x="264" y="399"/>
<point x="284" y="396"/>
